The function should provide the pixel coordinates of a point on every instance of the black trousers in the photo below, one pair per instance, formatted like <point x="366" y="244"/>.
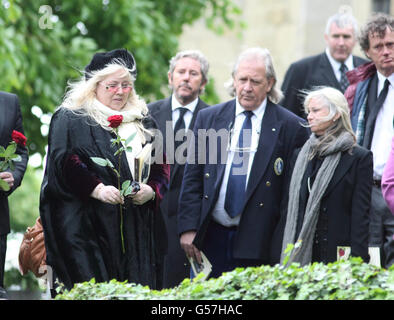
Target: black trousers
<point x="3" y="249"/>
<point x="218" y="248"/>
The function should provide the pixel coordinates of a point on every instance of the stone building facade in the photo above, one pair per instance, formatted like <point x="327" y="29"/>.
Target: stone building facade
<point x="290" y="29"/>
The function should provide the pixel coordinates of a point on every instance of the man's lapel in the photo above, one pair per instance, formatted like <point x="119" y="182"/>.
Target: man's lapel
<point x="327" y="72"/>
<point x="269" y="132"/>
<point x="200" y="105"/>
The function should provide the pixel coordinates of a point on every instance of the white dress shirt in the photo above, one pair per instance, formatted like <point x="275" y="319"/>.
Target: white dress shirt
<point x="188" y="115"/>
<point x="383" y="132"/>
<point x="337" y="65"/>
<point x="219" y="213"/>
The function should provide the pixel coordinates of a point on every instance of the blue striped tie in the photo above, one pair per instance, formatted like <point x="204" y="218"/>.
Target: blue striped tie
<point x="236" y="185"/>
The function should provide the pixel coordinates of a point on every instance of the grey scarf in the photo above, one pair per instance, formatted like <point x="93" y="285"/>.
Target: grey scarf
<point x="331" y="155"/>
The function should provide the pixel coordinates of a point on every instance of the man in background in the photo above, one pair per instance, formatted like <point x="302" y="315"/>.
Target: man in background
<point x="371" y="101"/>
<point x="187" y="78"/>
<point x="326" y="69"/>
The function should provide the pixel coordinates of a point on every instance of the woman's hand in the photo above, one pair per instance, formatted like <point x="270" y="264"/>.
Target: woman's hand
<point x="144" y="195"/>
<point x="107" y="194"/>
<point x="7" y="177"/>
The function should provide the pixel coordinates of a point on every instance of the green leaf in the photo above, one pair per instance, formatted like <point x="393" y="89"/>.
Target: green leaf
<point x="129" y="139"/>
<point x="4" y="185"/>
<point x="100" y="161"/>
<point x="128" y="191"/>
<point x="109" y="163"/>
<point x="126" y="184"/>
<point x="10" y="151"/>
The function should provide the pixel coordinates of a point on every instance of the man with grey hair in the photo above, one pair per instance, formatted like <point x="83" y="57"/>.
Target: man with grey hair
<point x="229" y="210"/>
<point x="371" y="101"/>
<point x="326" y="69"/>
<point x="187" y="78"/>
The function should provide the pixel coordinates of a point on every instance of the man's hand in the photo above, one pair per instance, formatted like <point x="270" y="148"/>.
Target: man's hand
<point x="7" y="177"/>
<point x="188" y="246"/>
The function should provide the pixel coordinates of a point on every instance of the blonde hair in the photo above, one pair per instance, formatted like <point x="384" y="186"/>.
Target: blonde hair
<point x="336" y="103"/>
<point x="82" y="94"/>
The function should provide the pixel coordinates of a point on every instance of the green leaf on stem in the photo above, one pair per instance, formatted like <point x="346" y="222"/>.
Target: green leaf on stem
<point x="125" y="186"/>
<point x="129" y="139"/>
<point x="100" y="161"/>
<point x="10" y="150"/>
<point x="4" y="185"/>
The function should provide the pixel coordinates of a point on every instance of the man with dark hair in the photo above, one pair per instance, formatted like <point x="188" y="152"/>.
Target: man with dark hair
<point x="326" y="69"/>
<point x="187" y="78"/>
<point x="10" y="120"/>
<point x="371" y="101"/>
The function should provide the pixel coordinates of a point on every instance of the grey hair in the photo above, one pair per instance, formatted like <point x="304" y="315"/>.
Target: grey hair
<point x="275" y="94"/>
<point x="377" y="24"/>
<point x="342" y="20"/>
<point x="336" y="103"/>
<point x="193" y="54"/>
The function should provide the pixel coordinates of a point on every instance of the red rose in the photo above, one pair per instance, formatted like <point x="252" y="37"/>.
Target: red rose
<point x="341" y="252"/>
<point x="115" y="121"/>
<point x="19" y="138"/>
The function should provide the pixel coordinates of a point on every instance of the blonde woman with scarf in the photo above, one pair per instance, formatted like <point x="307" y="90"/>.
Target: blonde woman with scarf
<point x="90" y="230"/>
<point x="330" y="186"/>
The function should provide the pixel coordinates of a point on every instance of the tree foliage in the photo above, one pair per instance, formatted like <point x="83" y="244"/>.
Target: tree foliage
<point x="45" y="43"/>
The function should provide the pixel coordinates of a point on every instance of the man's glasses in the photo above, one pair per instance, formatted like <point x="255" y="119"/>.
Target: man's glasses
<point x="114" y="87"/>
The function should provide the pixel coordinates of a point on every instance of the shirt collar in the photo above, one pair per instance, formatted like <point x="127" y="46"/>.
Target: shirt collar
<point x="175" y="104"/>
<point x="336" y="64"/>
<point x="259" y="112"/>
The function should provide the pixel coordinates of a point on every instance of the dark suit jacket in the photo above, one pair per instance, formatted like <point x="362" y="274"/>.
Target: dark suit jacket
<point x="161" y="111"/>
<point x="305" y="74"/>
<point x="10" y="119"/>
<point x="281" y="133"/>
<point x="344" y="209"/>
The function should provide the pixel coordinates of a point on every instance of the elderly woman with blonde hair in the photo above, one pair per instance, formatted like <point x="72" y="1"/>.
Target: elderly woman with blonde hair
<point x="330" y="186"/>
<point x="91" y="229"/>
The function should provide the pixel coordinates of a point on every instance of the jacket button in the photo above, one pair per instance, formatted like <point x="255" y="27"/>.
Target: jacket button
<point x="268" y="183"/>
<point x="206" y="175"/>
<point x="206" y="196"/>
<point x="261" y="204"/>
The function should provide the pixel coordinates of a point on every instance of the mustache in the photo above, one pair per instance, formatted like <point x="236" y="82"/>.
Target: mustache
<point x="185" y="85"/>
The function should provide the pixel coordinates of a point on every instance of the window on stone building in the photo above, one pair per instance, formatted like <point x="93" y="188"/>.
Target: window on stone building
<point x="381" y="6"/>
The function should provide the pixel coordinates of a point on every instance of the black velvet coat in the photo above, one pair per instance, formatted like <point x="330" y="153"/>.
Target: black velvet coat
<point x="82" y="234"/>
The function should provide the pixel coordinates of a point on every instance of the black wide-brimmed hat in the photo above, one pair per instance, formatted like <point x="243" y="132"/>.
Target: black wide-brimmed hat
<point x="101" y="59"/>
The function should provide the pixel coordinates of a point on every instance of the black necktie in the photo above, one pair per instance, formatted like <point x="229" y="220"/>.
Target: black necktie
<point x="179" y="125"/>
<point x="344" y="82"/>
<point x="382" y="95"/>
<point x="236" y="185"/>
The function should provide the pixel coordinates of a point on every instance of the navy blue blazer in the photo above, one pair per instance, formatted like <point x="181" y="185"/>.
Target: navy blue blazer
<point x="281" y="132"/>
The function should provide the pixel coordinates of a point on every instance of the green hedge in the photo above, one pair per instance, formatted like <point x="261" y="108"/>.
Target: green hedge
<point x="343" y="280"/>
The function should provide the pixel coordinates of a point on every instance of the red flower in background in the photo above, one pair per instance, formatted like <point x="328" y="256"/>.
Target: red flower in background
<point x="115" y="121"/>
<point x="19" y="138"/>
